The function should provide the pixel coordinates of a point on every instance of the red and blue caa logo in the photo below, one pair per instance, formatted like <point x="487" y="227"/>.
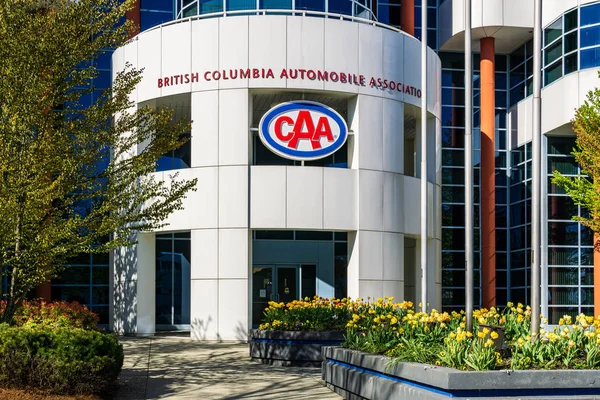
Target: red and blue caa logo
<point x="303" y="130"/>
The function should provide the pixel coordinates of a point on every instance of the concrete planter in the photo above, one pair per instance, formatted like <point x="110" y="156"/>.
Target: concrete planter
<point x="288" y="348"/>
<point x="356" y="375"/>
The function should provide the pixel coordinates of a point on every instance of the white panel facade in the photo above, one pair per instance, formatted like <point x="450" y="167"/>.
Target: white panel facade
<point x="233" y="52"/>
<point x="305" y="49"/>
<point x="205" y="129"/>
<point x="267" y="48"/>
<point x="304" y="198"/>
<point x="371" y="199"/>
<point x="233" y="197"/>
<point x="177" y="45"/>
<point x="370" y="132"/>
<point x="205" y="248"/>
<point x="268" y="197"/>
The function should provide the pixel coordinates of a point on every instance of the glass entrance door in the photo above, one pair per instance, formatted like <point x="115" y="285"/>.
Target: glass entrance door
<point x="273" y="283"/>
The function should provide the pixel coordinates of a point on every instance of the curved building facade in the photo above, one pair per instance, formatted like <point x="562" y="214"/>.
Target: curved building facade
<point x="264" y="227"/>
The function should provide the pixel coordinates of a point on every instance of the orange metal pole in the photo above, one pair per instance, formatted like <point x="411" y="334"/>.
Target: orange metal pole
<point x="488" y="181"/>
<point x="135" y="15"/>
<point x="407" y="16"/>
<point x="44" y="291"/>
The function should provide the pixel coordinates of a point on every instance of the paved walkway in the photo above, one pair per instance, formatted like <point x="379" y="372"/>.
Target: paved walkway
<point x="178" y="368"/>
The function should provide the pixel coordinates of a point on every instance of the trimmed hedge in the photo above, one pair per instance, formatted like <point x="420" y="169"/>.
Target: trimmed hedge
<point x="62" y="360"/>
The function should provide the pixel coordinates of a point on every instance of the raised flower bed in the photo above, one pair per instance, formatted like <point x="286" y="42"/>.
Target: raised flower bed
<point x="287" y="348"/>
<point x="393" y="351"/>
<point x="294" y="333"/>
<point x="356" y="375"/>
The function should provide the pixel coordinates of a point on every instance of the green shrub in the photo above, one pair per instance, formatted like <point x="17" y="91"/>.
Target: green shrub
<point x="56" y="314"/>
<point x="61" y="360"/>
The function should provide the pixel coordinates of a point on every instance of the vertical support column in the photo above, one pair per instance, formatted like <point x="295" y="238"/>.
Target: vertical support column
<point x="135" y="15"/>
<point x="488" y="181"/>
<point x="407" y="16"/>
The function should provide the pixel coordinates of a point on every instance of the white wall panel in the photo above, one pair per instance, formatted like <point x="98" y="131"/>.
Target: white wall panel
<point x="205" y="128"/>
<point x="411" y="205"/>
<point x="267" y="48"/>
<point x="304" y="198"/>
<point x="339" y="199"/>
<point x="341" y="52"/>
<point x="587" y="80"/>
<point x="233" y="197"/>
<point x="305" y="49"/>
<point x="204" y="254"/>
<point x="234" y="127"/>
<point x="393" y="136"/>
<point x="150" y="58"/>
<point x="146" y="278"/>
<point x="370" y="200"/>
<point x="372" y="289"/>
<point x="233" y="48"/>
<point x="554" y="9"/>
<point x="520" y="13"/>
<point x="412" y="69"/>
<point x="176" y="56"/>
<point x="394" y="289"/>
<point x="233" y="309"/>
<point x="559" y="110"/>
<point x="393" y="199"/>
<point x="393" y="256"/>
<point x="370" y="54"/>
<point x="525" y="122"/>
<point x="370" y="132"/>
<point x="370" y="255"/>
<point x="477" y="12"/>
<point x="205" y="51"/>
<point x="492" y="12"/>
<point x="393" y="57"/>
<point x="129" y="54"/>
<point x="268" y="197"/>
<point x="199" y="207"/>
<point x="233" y="253"/>
<point x="204" y="306"/>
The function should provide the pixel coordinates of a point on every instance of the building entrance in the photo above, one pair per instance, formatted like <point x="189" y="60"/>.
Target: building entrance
<point x="280" y="283"/>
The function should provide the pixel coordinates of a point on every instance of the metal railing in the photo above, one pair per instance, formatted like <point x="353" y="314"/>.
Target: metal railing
<point x="302" y="13"/>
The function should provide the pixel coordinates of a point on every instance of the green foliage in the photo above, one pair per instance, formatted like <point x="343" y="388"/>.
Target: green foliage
<point x="59" y="314"/>
<point x="73" y="180"/>
<point x="585" y="191"/>
<point x="62" y="360"/>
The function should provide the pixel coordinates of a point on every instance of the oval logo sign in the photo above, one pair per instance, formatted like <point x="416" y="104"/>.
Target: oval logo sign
<point x="303" y="130"/>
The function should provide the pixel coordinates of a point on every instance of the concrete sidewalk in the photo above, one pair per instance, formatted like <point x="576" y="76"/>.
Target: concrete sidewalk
<point x="179" y="368"/>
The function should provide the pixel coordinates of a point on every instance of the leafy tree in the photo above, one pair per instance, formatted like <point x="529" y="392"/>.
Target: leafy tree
<point x="585" y="190"/>
<point x="72" y="179"/>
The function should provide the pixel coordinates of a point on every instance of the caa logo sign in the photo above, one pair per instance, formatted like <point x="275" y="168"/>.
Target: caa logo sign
<point x="303" y="130"/>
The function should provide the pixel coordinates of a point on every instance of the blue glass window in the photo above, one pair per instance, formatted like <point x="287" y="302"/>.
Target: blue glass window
<point x="241" y="5"/>
<point x="589" y="36"/>
<point x="590" y="58"/>
<point x="590" y="15"/>
<point x="103" y="80"/>
<point x="157" y="5"/>
<point x="103" y="61"/>
<point x="275" y="4"/>
<point x="340" y="7"/>
<point x="310" y="5"/>
<point x="150" y="19"/>
<point x="210" y="6"/>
